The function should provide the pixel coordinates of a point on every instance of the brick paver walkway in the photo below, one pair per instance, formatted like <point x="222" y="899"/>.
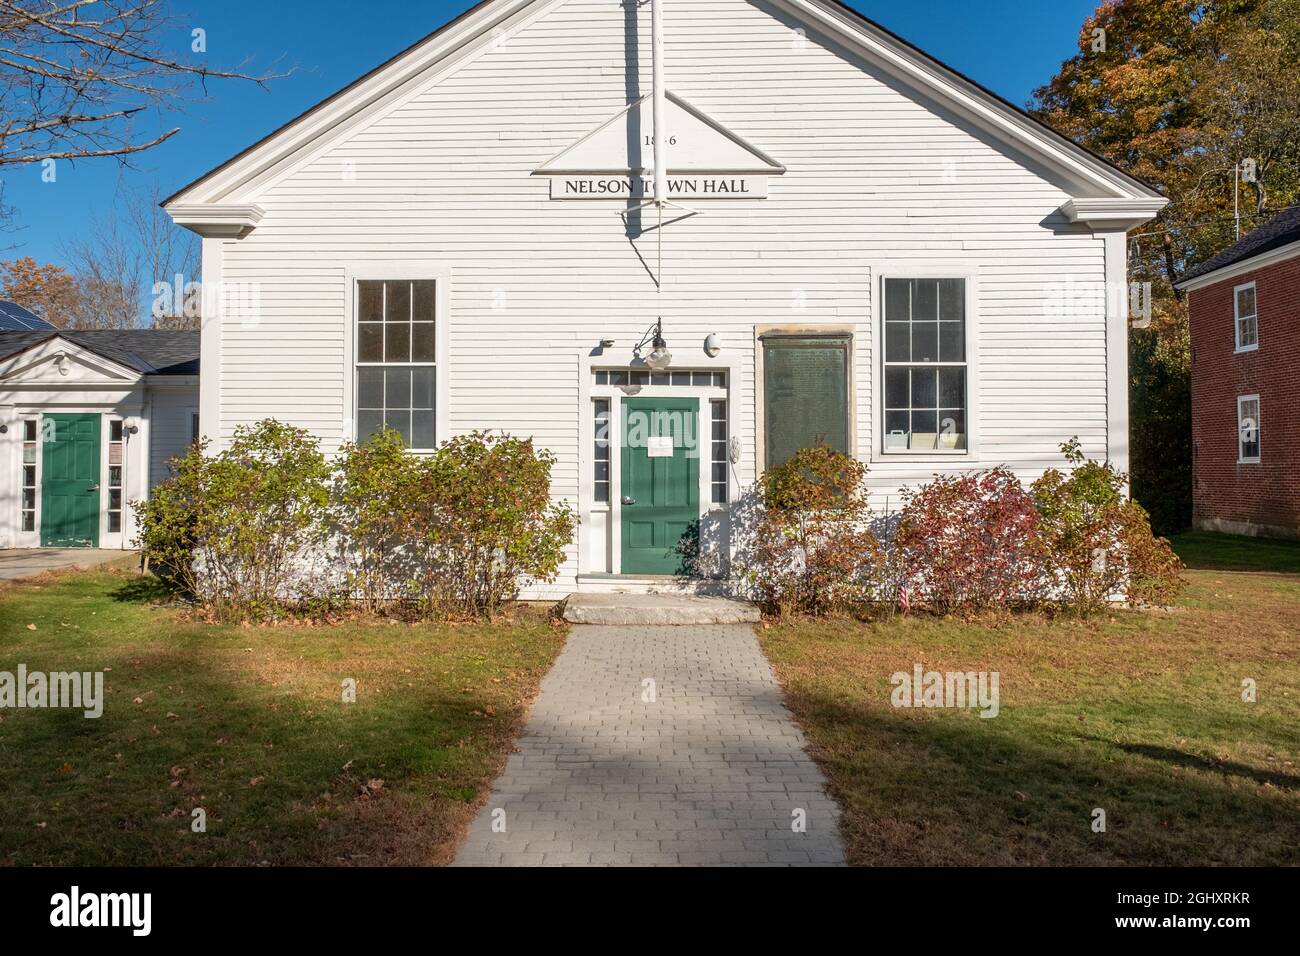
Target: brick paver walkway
<point x="711" y="771"/>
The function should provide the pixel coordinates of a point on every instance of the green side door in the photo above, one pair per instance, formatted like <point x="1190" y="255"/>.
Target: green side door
<point x="70" y="481"/>
<point x="659" y="490"/>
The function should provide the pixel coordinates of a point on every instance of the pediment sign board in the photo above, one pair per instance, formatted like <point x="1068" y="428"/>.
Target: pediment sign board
<point x="616" y="160"/>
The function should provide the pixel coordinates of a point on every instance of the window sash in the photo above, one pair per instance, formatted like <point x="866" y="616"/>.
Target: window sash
<point x="719" y="444"/>
<point x="1246" y="325"/>
<point x="601" y="477"/>
<point x="29" y="482"/>
<point x="920" y="417"/>
<point x="390" y="388"/>
<point x="1249" y="445"/>
<point x="113" y="508"/>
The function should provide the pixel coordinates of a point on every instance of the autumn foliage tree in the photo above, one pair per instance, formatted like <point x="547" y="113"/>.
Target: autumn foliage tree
<point x="48" y="291"/>
<point x="1201" y="99"/>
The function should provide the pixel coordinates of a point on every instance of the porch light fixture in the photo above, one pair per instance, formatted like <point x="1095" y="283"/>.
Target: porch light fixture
<point x="659" y="357"/>
<point x="712" y="346"/>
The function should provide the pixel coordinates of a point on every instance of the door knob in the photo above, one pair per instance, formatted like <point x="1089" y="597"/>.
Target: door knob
<point x="93" y="488"/>
<point x="629" y="500"/>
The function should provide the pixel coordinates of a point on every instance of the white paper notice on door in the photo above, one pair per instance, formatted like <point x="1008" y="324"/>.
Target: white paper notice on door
<point x="660" y="447"/>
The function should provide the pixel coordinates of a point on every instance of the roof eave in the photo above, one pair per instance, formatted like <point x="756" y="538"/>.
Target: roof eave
<point x="1114" y="214"/>
<point x="1260" y="260"/>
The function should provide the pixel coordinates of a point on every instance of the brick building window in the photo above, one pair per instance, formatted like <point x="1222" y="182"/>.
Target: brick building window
<point x="1247" y="318"/>
<point x="1248" y="429"/>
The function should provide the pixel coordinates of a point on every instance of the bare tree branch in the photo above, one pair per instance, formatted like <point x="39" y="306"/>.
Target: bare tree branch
<point x="76" y="74"/>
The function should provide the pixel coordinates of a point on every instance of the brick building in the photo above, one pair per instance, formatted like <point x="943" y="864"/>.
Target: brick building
<point x="1244" y="305"/>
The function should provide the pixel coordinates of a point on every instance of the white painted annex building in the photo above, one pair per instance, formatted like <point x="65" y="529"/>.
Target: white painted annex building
<point x="858" y="245"/>
<point x="89" y="421"/>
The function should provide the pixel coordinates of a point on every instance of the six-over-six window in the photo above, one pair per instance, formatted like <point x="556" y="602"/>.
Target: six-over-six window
<point x="925" y="390"/>
<point x="396" y="360"/>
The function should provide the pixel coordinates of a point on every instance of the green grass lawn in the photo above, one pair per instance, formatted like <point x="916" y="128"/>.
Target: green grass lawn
<point x="1140" y="714"/>
<point x="249" y="724"/>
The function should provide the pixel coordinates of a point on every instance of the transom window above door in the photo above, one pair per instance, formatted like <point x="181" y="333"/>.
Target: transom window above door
<point x="925" y="373"/>
<point x="396" y="360"/>
<point x="677" y="377"/>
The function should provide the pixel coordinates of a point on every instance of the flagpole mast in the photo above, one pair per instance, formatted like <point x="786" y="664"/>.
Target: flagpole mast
<point x="661" y="144"/>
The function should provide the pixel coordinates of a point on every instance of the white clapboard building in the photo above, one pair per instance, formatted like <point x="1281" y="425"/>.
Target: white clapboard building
<point x="89" y="422"/>
<point x="672" y="242"/>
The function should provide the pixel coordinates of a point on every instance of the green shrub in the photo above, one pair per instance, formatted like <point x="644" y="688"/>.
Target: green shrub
<point x="232" y="529"/>
<point x="486" y="523"/>
<point x="372" y="499"/>
<point x="1099" y="542"/>
<point x="808" y="548"/>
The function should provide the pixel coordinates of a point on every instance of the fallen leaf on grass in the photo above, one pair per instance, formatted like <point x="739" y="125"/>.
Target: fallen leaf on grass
<point x="255" y="781"/>
<point x="31" y="627"/>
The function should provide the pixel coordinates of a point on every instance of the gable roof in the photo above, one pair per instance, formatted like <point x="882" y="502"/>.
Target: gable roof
<point x="837" y="17"/>
<point x="147" y="351"/>
<point x="1282" y="230"/>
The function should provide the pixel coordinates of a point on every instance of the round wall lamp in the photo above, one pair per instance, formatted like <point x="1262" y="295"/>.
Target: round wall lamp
<point x="712" y="345"/>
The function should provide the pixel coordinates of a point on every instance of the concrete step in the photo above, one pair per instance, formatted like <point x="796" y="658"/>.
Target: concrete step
<point x="682" y="609"/>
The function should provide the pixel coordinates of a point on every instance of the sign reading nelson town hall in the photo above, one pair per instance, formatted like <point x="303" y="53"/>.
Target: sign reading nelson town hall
<point x="705" y="161"/>
<point x="642" y="187"/>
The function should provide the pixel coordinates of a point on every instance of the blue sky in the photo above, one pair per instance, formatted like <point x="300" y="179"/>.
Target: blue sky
<point x="1010" y="46"/>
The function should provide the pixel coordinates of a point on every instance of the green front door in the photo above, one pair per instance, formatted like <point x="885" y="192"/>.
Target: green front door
<point x="70" y="481"/>
<point x="659" y="490"/>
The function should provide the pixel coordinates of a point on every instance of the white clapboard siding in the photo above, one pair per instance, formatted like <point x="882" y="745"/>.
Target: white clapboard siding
<point x="171" y="429"/>
<point x="876" y="174"/>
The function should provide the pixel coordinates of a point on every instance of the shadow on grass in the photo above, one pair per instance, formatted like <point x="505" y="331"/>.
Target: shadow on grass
<point x="286" y="776"/>
<point x="1179" y="758"/>
<point x="943" y="788"/>
<point x="144" y="589"/>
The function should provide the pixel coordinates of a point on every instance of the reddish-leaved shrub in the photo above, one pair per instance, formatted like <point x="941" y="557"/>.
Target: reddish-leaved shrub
<point x="970" y="541"/>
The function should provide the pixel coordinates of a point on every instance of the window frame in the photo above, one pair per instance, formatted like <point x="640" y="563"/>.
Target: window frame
<point x="1237" y="317"/>
<point x="970" y="279"/>
<point x="37" y="467"/>
<point x="398" y="271"/>
<point x="1242" y="459"/>
<point x="111" y="423"/>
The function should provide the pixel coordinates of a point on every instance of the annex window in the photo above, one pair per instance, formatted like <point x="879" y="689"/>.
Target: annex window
<point x="1248" y="444"/>
<point x="29" y="474"/>
<point x="806" y="394"/>
<point x="925" y="390"/>
<point x="396" y="360"/>
<point x="1247" y="317"/>
<point x="114" y="509"/>
<point x="719" y="458"/>
<point x="600" y="475"/>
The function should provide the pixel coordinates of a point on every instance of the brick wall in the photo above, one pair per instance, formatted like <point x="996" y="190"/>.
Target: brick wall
<point x="1259" y="498"/>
